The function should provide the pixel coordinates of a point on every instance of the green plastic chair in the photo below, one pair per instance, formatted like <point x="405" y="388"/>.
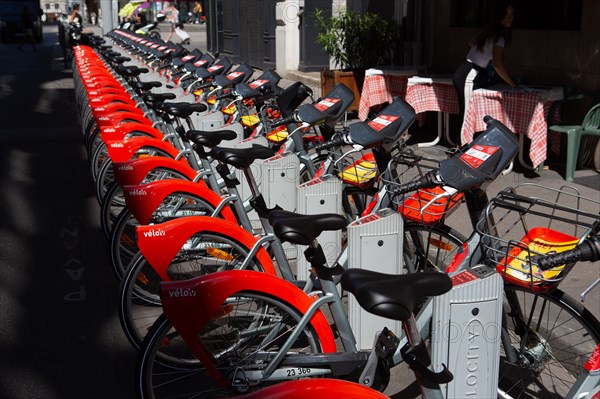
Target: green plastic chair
<point x="589" y="127"/>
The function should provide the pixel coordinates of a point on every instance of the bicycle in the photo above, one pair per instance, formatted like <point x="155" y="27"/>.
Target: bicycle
<point x="240" y="342"/>
<point x="588" y="380"/>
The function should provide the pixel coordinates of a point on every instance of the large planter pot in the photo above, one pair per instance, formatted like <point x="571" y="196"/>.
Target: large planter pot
<point x="353" y="79"/>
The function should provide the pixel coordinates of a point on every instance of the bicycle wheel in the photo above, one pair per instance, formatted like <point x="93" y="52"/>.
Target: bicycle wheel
<point x="112" y="205"/>
<point x="551" y="349"/>
<point x="98" y="158"/>
<point x="123" y="237"/>
<point x="203" y="253"/>
<point x="123" y="242"/>
<point x="427" y="248"/>
<point x="244" y="338"/>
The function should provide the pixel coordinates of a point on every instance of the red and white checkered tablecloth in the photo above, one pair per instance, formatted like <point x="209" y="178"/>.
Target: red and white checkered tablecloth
<point x="440" y="97"/>
<point x="521" y="111"/>
<point x="380" y="89"/>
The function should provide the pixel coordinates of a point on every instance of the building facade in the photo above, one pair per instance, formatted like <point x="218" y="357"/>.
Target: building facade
<point x="53" y="9"/>
<point x="434" y="35"/>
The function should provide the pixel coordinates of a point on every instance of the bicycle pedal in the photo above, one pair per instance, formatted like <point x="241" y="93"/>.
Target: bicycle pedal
<point x="387" y="344"/>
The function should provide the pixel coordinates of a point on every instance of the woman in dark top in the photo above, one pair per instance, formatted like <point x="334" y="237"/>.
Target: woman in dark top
<point x="485" y="57"/>
<point x="75" y="18"/>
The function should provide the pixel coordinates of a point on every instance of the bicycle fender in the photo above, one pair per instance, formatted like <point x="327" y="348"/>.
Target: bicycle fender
<point x="124" y="150"/>
<point x="159" y="243"/>
<point x="130" y="173"/>
<point x="122" y="117"/>
<point x="112" y="98"/>
<point x="99" y="83"/>
<point x="204" y="296"/>
<point x="142" y="200"/>
<point x="97" y="74"/>
<point x="103" y="90"/>
<point x="101" y="110"/>
<point x="315" y="388"/>
<point x="119" y="132"/>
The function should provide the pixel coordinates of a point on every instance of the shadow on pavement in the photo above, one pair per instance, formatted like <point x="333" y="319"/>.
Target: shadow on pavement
<point x="60" y="335"/>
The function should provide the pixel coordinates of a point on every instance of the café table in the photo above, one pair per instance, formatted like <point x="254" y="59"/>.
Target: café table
<point x="437" y="94"/>
<point x="523" y="110"/>
<point x="379" y="88"/>
<point x="423" y="93"/>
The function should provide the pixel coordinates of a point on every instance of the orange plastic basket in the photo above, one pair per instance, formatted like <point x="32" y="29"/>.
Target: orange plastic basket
<point x="519" y="266"/>
<point x="428" y="207"/>
<point x="361" y="173"/>
<point x="524" y="223"/>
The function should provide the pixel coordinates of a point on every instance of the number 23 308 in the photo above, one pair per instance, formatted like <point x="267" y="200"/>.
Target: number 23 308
<point x="297" y="372"/>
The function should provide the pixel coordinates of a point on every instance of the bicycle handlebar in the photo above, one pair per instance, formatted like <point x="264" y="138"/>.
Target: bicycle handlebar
<point x="428" y="180"/>
<point x="336" y="141"/>
<point x="229" y="94"/>
<point x="588" y="250"/>
<point x="285" y="121"/>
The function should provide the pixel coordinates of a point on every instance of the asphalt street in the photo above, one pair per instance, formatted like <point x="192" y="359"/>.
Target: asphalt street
<point x="59" y="332"/>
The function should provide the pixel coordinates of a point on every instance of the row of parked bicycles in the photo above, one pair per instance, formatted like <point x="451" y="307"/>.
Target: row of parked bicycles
<point x="263" y="243"/>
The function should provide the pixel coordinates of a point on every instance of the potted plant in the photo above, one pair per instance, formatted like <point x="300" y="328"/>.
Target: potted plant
<point x="355" y="42"/>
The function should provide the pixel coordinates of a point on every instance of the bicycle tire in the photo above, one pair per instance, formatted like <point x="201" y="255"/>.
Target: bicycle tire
<point x="440" y="243"/>
<point x="98" y="157"/>
<point x="164" y="356"/>
<point x="105" y="177"/>
<point x="552" y="357"/>
<point x="123" y="246"/>
<point x="139" y="300"/>
<point x="90" y="130"/>
<point x="93" y="139"/>
<point x="111" y="206"/>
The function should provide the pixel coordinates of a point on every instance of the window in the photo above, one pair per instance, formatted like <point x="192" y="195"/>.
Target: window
<point x="529" y="14"/>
